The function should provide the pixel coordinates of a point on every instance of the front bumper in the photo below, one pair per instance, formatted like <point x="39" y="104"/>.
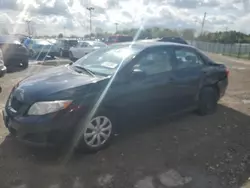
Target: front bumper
<point x="45" y="131"/>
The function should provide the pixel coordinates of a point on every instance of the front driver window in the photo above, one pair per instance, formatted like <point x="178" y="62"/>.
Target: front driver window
<point x="154" y="62"/>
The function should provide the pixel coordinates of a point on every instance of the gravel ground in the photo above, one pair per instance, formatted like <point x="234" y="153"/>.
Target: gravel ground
<point x="185" y="151"/>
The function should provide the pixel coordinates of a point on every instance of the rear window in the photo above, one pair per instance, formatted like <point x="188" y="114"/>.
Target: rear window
<point x="112" y="39"/>
<point x="97" y="44"/>
<point x="71" y="42"/>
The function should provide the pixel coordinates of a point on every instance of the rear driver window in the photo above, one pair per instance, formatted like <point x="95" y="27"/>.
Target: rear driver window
<point x="187" y="58"/>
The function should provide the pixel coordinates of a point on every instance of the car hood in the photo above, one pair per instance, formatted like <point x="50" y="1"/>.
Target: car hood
<point x="53" y="84"/>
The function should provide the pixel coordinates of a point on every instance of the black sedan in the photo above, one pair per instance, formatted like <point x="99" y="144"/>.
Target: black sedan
<point x="3" y="69"/>
<point x="14" y="53"/>
<point x="86" y="98"/>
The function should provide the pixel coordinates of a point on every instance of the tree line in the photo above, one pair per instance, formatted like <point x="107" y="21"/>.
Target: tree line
<point x="227" y="37"/>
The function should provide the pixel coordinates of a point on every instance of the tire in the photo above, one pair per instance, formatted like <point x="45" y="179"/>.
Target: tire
<point x="25" y="63"/>
<point x="106" y="121"/>
<point x="2" y="73"/>
<point x="11" y="132"/>
<point x="207" y="101"/>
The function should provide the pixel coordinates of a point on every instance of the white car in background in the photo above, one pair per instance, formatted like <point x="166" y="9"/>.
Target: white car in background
<point x="83" y="48"/>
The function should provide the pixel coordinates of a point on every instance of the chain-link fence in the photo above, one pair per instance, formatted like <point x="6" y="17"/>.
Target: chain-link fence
<point x="235" y="50"/>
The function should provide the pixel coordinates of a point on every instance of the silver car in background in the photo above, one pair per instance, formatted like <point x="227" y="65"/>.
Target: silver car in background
<point x="83" y="48"/>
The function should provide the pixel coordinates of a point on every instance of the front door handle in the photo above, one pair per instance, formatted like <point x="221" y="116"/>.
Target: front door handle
<point x="171" y="79"/>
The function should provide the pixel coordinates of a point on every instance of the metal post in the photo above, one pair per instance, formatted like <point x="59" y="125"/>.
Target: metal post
<point x="90" y="9"/>
<point x="116" y="27"/>
<point x="238" y="56"/>
<point x="203" y="22"/>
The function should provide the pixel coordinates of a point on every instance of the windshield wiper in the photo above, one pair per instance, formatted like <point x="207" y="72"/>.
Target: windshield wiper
<point x="84" y="69"/>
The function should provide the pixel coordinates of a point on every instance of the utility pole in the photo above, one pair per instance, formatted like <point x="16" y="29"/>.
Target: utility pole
<point x="28" y="26"/>
<point x="203" y="22"/>
<point x="116" y="27"/>
<point x="90" y="9"/>
<point x="224" y="42"/>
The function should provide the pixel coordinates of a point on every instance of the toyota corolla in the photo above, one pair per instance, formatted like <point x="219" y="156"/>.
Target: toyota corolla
<point x="90" y="95"/>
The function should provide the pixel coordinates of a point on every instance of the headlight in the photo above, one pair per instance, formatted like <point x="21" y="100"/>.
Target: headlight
<point x="46" y="107"/>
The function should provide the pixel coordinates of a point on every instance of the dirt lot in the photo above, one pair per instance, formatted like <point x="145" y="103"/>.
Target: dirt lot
<point x="187" y="151"/>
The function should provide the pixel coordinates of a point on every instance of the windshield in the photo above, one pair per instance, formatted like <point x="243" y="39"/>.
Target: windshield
<point x="98" y="44"/>
<point x="106" y="61"/>
<point x="71" y="42"/>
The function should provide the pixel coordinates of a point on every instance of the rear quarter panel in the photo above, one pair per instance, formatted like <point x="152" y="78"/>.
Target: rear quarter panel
<point x="215" y="75"/>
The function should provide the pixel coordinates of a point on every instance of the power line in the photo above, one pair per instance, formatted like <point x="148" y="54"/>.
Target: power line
<point x="90" y="9"/>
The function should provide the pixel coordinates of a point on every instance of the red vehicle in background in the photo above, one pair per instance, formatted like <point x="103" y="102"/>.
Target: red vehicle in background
<point x="118" y="38"/>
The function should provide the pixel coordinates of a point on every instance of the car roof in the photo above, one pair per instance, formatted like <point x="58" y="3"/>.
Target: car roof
<point x="66" y="39"/>
<point x="143" y="44"/>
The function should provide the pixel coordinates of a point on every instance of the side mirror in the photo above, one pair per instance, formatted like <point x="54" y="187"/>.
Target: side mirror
<point x="138" y="74"/>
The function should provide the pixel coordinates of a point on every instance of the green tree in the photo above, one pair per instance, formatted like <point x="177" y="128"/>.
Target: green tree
<point x="60" y="35"/>
<point x="188" y="34"/>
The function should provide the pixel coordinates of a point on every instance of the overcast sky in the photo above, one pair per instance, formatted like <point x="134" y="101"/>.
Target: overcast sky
<point x="52" y="16"/>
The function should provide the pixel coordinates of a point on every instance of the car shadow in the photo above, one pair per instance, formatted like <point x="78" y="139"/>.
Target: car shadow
<point x="213" y="150"/>
<point x="42" y="57"/>
<point x="18" y="68"/>
<point x="13" y="69"/>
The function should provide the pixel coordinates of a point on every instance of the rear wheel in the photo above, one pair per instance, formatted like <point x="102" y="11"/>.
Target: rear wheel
<point x="71" y="56"/>
<point x="25" y="63"/>
<point x="207" y="101"/>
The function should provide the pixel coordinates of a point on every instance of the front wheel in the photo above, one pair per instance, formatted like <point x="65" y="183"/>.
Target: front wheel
<point x="207" y="101"/>
<point x="98" y="133"/>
